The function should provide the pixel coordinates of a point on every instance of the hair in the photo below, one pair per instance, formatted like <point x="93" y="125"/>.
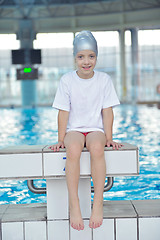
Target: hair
<point x="84" y="41"/>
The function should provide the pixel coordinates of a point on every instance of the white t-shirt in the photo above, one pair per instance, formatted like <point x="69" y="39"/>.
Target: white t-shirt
<point x="84" y="99"/>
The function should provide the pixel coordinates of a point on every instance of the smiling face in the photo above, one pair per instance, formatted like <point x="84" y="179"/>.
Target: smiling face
<point x="86" y="61"/>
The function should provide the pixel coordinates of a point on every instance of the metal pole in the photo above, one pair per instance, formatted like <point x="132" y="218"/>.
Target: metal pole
<point x="34" y="189"/>
<point x="108" y="186"/>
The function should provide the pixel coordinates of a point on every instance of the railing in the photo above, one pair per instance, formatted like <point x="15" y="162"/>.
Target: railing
<point x="37" y="190"/>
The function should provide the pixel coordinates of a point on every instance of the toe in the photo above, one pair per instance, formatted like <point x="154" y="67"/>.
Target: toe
<point x="81" y="227"/>
<point x="96" y="225"/>
<point x="91" y="224"/>
<point x="74" y="226"/>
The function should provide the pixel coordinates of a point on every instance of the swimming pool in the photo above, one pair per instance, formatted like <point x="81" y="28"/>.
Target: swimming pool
<point x="138" y="125"/>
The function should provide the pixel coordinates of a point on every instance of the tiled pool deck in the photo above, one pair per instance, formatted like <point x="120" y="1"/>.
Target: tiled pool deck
<point x="123" y="220"/>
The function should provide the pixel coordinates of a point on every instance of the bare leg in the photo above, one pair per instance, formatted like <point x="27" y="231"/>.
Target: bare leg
<point x="95" y="143"/>
<point x="74" y="143"/>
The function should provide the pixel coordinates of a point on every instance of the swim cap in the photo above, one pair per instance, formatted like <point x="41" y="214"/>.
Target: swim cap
<point x="84" y="41"/>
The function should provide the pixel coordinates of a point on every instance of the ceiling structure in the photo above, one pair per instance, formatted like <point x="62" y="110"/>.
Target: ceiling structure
<point x="76" y="15"/>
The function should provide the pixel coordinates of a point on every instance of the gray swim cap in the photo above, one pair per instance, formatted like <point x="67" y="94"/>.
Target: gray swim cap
<point x="84" y="41"/>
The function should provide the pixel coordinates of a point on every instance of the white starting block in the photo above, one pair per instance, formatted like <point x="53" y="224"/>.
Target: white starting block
<point x="39" y="162"/>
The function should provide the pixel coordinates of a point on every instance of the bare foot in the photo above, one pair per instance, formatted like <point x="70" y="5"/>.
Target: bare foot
<point x="76" y="220"/>
<point x="96" y="218"/>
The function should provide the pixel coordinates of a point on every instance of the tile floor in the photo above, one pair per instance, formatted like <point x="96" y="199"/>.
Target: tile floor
<point x="123" y="220"/>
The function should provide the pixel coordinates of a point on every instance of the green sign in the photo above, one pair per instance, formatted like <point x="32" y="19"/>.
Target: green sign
<point x="27" y="70"/>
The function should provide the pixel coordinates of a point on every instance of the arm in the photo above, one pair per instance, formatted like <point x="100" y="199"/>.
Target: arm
<point x="108" y="118"/>
<point x="62" y="125"/>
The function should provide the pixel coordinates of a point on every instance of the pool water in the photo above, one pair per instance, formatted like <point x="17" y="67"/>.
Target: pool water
<point x="136" y="124"/>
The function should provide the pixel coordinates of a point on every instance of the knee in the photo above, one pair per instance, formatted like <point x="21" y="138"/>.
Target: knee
<point x="96" y="149"/>
<point x="74" y="151"/>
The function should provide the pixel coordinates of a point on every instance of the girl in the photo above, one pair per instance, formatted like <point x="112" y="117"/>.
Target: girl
<point x="85" y="99"/>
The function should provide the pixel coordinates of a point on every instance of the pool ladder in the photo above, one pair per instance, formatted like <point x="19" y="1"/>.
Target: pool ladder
<point x="38" y="190"/>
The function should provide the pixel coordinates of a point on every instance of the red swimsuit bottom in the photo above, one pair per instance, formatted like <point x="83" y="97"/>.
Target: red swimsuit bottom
<point x="85" y="133"/>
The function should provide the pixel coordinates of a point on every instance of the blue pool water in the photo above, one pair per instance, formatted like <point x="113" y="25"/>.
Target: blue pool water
<point x="138" y="125"/>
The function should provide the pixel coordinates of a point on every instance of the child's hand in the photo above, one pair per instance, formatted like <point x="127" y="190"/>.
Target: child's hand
<point x="57" y="146"/>
<point x="115" y="145"/>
